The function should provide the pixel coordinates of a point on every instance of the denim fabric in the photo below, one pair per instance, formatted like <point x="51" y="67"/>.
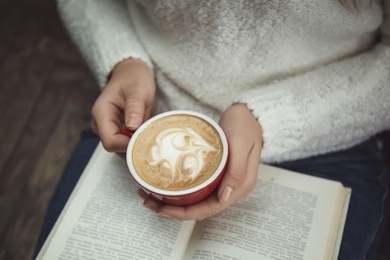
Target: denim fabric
<point x="361" y="168"/>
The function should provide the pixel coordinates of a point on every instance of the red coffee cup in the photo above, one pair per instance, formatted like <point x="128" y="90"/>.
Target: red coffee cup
<point x="185" y="196"/>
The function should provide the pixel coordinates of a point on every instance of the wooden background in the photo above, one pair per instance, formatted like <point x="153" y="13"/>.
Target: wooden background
<point x="46" y="93"/>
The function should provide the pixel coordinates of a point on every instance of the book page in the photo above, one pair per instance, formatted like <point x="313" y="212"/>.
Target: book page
<point x="287" y="216"/>
<point x="341" y="223"/>
<point x="106" y="219"/>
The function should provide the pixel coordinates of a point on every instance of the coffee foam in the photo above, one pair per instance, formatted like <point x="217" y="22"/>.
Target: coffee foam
<point x="181" y="152"/>
<point x="177" y="152"/>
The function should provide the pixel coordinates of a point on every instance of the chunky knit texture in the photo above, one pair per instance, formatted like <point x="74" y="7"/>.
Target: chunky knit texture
<point x="312" y="72"/>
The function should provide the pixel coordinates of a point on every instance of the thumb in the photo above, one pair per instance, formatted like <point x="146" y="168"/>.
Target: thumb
<point x="234" y="175"/>
<point x="134" y="112"/>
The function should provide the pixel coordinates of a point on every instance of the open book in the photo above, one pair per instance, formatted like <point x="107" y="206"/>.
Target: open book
<point x="288" y="216"/>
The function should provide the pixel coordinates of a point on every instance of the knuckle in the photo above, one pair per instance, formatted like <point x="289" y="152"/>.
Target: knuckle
<point x="94" y="110"/>
<point x="237" y="175"/>
<point x="109" y="145"/>
<point x="135" y="104"/>
<point x="135" y="101"/>
<point x="211" y="211"/>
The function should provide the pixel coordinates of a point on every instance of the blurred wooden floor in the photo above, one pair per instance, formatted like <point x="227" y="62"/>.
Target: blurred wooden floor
<point x="46" y="93"/>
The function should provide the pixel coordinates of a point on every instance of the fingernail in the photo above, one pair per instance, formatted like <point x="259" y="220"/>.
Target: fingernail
<point x="165" y="215"/>
<point x="226" y="194"/>
<point x="133" y="121"/>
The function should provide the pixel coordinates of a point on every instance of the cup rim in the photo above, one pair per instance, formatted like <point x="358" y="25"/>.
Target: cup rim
<point x="202" y="185"/>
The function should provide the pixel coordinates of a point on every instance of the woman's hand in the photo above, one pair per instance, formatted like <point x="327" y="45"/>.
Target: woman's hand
<point x="244" y="137"/>
<point x="126" y="101"/>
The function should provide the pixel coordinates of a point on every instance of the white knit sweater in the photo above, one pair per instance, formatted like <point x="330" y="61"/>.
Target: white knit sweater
<point x="312" y="72"/>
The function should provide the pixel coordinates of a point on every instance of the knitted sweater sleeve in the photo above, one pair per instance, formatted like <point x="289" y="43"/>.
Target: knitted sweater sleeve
<point x="328" y="108"/>
<point x="103" y="32"/>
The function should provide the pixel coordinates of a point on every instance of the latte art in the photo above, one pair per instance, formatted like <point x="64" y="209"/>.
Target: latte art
<point x="177" y="152"/>
<point x="182" y="152"/>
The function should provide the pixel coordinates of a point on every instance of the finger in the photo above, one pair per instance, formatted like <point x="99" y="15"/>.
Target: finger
<point x="134" y="112"/>
<point x="212" y="205"/>
<point x="121" y="155"/>
<point x="143" y="195"/>
<point x="150" y="203"/>
<point x="254" y="160"/>
<point x="201" y="210"/>
<point x="198" y="211"/>
<point x="94" y="126"/>
<point x="236" y="169"/>
<point x="250" y="180"/>
<point x="107" y="125"/>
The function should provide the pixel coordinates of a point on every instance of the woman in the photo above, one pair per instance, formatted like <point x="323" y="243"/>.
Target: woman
<point x="302" y="84"/>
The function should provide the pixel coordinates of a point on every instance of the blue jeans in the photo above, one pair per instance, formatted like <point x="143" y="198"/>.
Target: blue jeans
<point x="361" y="168"/>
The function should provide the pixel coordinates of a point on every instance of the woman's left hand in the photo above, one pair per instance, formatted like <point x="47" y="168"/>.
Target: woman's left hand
<point x="244" y="137"/>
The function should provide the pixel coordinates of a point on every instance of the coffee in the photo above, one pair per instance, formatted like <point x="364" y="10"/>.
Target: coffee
<point x="177" y="152"/>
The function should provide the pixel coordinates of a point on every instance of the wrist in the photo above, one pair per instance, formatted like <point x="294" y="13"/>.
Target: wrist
<point x="128" y="64"/>
<point x="130" y="60"/>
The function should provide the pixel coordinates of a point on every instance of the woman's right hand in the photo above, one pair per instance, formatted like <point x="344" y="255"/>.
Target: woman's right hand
<point x="126" y="101"/>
